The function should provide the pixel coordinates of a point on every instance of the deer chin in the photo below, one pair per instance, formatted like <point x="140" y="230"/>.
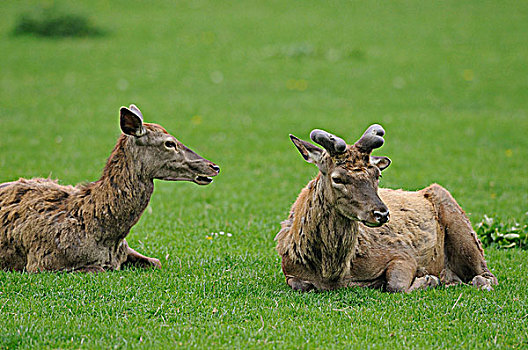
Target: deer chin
<point x="202" y="180"/>
<point x="371" y="224"/>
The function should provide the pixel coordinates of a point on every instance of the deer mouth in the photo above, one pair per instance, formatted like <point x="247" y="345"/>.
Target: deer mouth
<point x="202" y="180"/>
<point x="372" y="224"/>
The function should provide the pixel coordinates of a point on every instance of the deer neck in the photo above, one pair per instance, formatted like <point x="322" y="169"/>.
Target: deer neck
<point x="329" y="238"/>
<point x="121" y="194"/>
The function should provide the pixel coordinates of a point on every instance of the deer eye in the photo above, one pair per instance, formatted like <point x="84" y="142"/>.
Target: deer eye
<point x="338" y="180"/>
<point x="170" y="144"/>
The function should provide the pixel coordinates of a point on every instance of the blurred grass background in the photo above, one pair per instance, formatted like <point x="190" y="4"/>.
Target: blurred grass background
<point x="448" y="81"/>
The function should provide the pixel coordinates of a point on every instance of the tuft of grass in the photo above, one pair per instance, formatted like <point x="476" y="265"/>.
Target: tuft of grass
<point x="55" y="22"/>
<point x="302" y="50"/>
<point x="493" y="232"/>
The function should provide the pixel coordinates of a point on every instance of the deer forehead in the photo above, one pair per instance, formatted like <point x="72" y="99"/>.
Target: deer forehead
<point x="154" y="136"/>
<point x="354" y="172"/>
<point x="157" y="132"/>
<point x="155" y="128"/>
<point x="352" y="159"/>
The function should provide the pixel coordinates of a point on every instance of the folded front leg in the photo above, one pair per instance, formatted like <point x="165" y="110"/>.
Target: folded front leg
<point x="425" y="282"/>
<point x="136" y="259"/>
<point x="400" y="274"/>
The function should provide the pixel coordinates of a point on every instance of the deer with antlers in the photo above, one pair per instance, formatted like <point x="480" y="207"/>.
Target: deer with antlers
<point x="338" y="233"/>
<point x="46" y="226"/>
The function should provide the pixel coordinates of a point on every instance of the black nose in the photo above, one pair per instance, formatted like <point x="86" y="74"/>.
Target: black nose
<point x="381" y="216"/>
<point x="215" y="168"/>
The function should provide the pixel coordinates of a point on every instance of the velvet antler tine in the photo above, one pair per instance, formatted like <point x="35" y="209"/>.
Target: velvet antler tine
<point x="332" y="143"/>
<point x="371" y="139"/>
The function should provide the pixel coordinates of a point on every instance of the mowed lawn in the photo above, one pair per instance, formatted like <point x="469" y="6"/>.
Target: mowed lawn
<point x="447" y="80"/>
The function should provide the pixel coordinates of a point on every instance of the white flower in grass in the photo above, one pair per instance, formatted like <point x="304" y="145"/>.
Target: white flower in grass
<point x="217" y="234"/>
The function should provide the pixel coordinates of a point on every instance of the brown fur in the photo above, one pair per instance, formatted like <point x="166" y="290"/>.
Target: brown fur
<point x="46" y="226"/>
<point x="428" y="240"/>
<point x="332" y="246"/>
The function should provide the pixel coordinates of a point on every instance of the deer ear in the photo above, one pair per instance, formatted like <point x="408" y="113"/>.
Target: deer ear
<point x="136" y="111"/>
<point x="131" y="121"/>
<point x="310" y="153"/>
<point x="381" y="162"/>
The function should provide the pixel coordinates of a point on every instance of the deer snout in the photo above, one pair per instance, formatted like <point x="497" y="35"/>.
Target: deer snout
<point x="381" y="216"/>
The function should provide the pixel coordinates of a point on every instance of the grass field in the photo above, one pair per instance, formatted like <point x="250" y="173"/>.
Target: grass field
<point x="448" y="81"/>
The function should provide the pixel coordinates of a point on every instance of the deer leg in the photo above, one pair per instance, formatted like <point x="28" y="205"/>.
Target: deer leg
<point x="298" y="284"/>
<point x="400" y="274"/>
<point x="37" y="263"/>
<point x="425" y="282"/>
<point x="297" y="276"/>
<point x="463" y="250"/>
<point x="12" y="259"/>
<point x="89" y="269"/>
<point x="449" y="278"/>
<point x="136" y="259"/>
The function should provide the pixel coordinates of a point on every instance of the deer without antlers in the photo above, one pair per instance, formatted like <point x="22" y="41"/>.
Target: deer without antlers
<point x="46" y="226"/>
<point x="338" y="233"/>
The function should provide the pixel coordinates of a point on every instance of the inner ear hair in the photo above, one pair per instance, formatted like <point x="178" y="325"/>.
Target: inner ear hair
<point x="131" y="123"/>
<point x="381" y="162"/>
<point x="310" y="152"/>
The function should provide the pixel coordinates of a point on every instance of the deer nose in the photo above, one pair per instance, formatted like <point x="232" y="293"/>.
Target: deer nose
<point x="215" y="167"/>
<point x="381" y="216"/>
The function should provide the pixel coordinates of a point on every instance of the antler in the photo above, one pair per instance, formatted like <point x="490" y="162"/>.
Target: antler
<point x="371" y="139"/>
<point x="332" y="143"/>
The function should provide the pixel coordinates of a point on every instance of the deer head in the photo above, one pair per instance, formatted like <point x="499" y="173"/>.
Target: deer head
<point x="349" y="174"/>
<point x="161" y="155"/>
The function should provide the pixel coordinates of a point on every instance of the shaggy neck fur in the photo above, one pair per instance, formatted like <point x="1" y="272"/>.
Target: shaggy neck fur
<point x="120" y="196"/>
<point x="320" y="237"/>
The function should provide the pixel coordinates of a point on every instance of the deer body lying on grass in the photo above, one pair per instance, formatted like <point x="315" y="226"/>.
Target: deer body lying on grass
<point x="428" y="241"/>
<point x="46" y="226"/>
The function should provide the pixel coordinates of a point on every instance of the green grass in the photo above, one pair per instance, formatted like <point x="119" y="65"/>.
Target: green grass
<point x="447" y="80"/>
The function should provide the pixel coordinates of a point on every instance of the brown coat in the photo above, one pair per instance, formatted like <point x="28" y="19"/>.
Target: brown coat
<point x="326" y="242"/>
<point x="47" y="226"/>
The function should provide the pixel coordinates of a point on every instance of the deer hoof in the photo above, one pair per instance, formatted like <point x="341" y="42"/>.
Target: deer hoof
<point x="154" y="263"/>
<point x="431" y="281"/>
<point x="300" y="285"/>
<point x="481" y="282"/>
